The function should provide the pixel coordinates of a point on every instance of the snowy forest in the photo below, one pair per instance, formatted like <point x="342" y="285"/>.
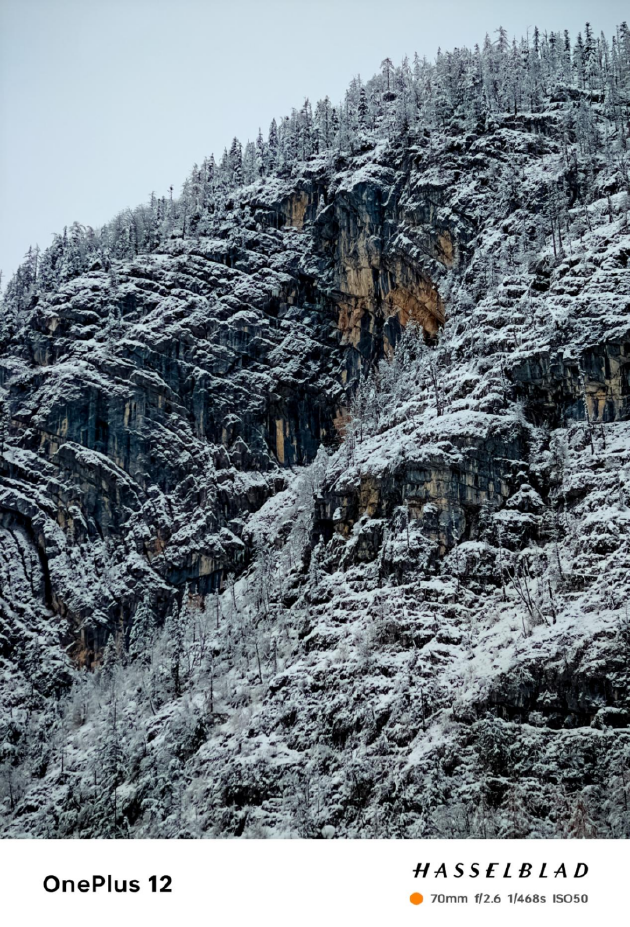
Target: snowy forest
<point x="315" y="478"/>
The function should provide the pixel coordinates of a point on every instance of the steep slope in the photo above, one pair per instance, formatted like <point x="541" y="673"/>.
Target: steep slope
<point x="315" y="517"/>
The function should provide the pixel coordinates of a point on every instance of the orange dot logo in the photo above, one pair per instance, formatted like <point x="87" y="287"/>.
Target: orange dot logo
<point x="416" y="898"/>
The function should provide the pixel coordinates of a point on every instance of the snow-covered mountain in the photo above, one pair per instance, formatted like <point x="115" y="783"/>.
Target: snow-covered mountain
<point x="315" y="482"/>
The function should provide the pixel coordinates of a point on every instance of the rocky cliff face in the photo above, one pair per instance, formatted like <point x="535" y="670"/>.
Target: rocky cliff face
<point x="319" y="523"/>
<point x="155" y="437"/>
<point x="158" y="404"/>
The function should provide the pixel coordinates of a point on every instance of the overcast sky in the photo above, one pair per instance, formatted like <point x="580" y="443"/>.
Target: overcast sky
<point x="103" y="101"/>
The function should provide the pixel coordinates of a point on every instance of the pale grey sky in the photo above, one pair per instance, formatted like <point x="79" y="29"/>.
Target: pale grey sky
<point x="103" y="101"/>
